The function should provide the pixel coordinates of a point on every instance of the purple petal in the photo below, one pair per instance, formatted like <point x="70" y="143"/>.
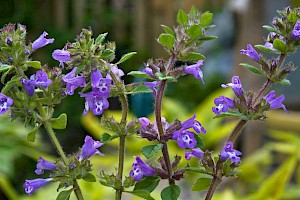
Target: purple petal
<point x="42" y="41"/>
<point x="61" y="56"/>
<point x="250" y="52"/>
<point x="44" y="165"/>
<point x="31" y="185"/>
<point x="195" y="70"/>
<point x="5" y="103"/>
<point x="89" y="148"/>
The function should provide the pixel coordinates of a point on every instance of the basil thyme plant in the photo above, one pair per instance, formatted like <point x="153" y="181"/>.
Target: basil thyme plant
<point x="87" y="67"/>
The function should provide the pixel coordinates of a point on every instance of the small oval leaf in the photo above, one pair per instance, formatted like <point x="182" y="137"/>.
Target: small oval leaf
<point x="126" y="57"/>
<point x="60" y="122"/>
<point x="151" y="150"/>
<point x="166" y="40"/>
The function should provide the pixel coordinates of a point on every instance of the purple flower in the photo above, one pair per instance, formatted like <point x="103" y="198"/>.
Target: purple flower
<point x="118" y="72"/>
<point x="195" y="70"/>
<point x="8" y="40"/>
<point x="235" y="85"/>
<point x="89" y="148"/>
<point x="140" y="169"/>
<point x="73" y="82"/>
<point x="229" y="152"/>
<point x="223" y="104"/>
<point x="41" y="79"/>
<point x="148" y="71"/>
<point x="29" y="85"/>
<point x="94" y="102"/>
<point x="152" y="85"/>
<point x="100" y="84"/>
<point x="61" y="56"/>
<point x="42" y="41"/>
<point x="269" y="45"/>
<point x="144" y="122"/>
<point x="275" y="102"/>
<point x="185" y="139"/>
<point x="31" y="185"/>
<point x="44" y="165"/>
<point x="296" y="31"/>
<point x="192" y="123"/>
<point x="197" y="153"/>
<point x="250" y="52"/>
<point x="5" y="103"/>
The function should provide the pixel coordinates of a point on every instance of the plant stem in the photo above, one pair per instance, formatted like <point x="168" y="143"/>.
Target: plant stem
<point x="213" y="186"/>
<point x="48" y="127"/>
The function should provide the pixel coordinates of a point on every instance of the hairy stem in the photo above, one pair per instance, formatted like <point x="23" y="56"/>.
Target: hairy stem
<point x="213" y="186"/>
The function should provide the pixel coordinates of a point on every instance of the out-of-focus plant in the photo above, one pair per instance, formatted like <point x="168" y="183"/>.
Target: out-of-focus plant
<point x="90" y="67"/>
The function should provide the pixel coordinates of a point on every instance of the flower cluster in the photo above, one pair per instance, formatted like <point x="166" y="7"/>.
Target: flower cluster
<point x="140" y="169"/>
<point x="5" y="103"/>
<point x="229" y="152"/>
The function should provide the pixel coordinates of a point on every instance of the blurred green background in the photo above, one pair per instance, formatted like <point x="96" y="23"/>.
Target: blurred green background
<point x="135" y="25"/>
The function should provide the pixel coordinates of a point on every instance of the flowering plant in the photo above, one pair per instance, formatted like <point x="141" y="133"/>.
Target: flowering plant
<point x="91" y="72"/>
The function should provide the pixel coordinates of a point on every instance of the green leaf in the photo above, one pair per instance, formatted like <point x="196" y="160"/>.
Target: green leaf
<point x="108" y="53"/>
<point x="4" y="67"/>
<point x="126" y="57"/>
<point x="193" y="56"/>
<point x="210" y="37"/>
<point x="279" y="45"/>
<point x="60" y="122"/>
<point x="182" y="18"/>
<point x="14" y="81"/>
<point x="199" y="140"/>
<point x="292" y="17"/>
<point x="200" y="169"/>
<point x="206" y="18"/>
<point x="128" y="182"/>
<point x="105" y="137"/>
<point x="252" y="69"/>
<point x="148" y="183"/>
<point x="89" y="177"/>
<point x="34" y="64"/>
<point x="64" y="195"/>
<point x="171" y="192"/>
<point x="140" y="90"/>
<point x="166" y="40"/>
<point x="151" y="150"/>
<point x="139" y="74"/>
<point x="265" y="49"/>
<point x="194" y="31"/>
<point x="162" y="76"/>
<point x="232" y="114"/>
<point x="168" y="30"/>
<point x="193" y="12"/>
<point x="285" y="82"/>
<point x="270" y="28"/>
<point x="141" y="193"/>
<point x="201" y="184"/>
<point x="32" y="135"/>
<point x="100" y="38"/>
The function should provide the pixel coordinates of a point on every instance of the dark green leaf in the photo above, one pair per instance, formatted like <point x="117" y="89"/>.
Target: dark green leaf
<point x="199" y="140"/>
<point x="252" y="69"/>
<point x="171" y="192"/>
<point x="182" y="18"/>
<point x="193" y="56"/>
<point x="32" y="135"/>
<point x="285" y="82"/>
<point x="105" y="137"/>
<point x="270" y="28"/>
<point x="148" y="183"/>
<point x="60" y="122"/>
<point x="166" y="40"/>
<point x="126" y="57"/>
<point x="206" y="18"/>
<point x="194" y="31"/>
<point x="64" y="195"/>
<point x="100" y="38"/>
<point x="232" y="114"/>
<point x="265" y="49"/>
<point x="89" y="177"/>
<point x="107" y="54"/>
<point x="279" y="45"/>
<point x="5" y="67"/>
<point x="34" y="64"/>
<point x="201" y="184"/>
<point x="151" y="150"/>
<point x="168" y="30"/>
<point x="139" y="74"/>
<point x="141" y="193"/>
<point x="210" y="37"/>
<point x="14" y="81"/>
<point x="140" y="90"/>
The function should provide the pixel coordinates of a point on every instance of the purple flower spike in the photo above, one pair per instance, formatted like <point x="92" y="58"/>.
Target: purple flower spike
<point x="73" y="82"/>
<point x="31" y="185"/>
<point x="195" y="70"/>
<point x="235" y="85"/>
<point x="94" y="102"/>
<point x="250" y="52"/>
<point x="192" y="123"/>
<point x="197" y="153"/>
<point x="41" y="79"/>
<point x="140" y="169"/>
<point x="61" y="56"/>
<point x="229" y="152"/>
<point x="29" y="85"/>
<point x="275" y="103"/>
<point x="89" y="148"/>
<point x="5" y="103"/>
<point x="185" y="139"/>
<point x="44" y="165"/>
<point x="223" y="104"/>
<point x="42" y="41"/>
<point x="296" y="31"/>
<point x="99" y="84"/>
